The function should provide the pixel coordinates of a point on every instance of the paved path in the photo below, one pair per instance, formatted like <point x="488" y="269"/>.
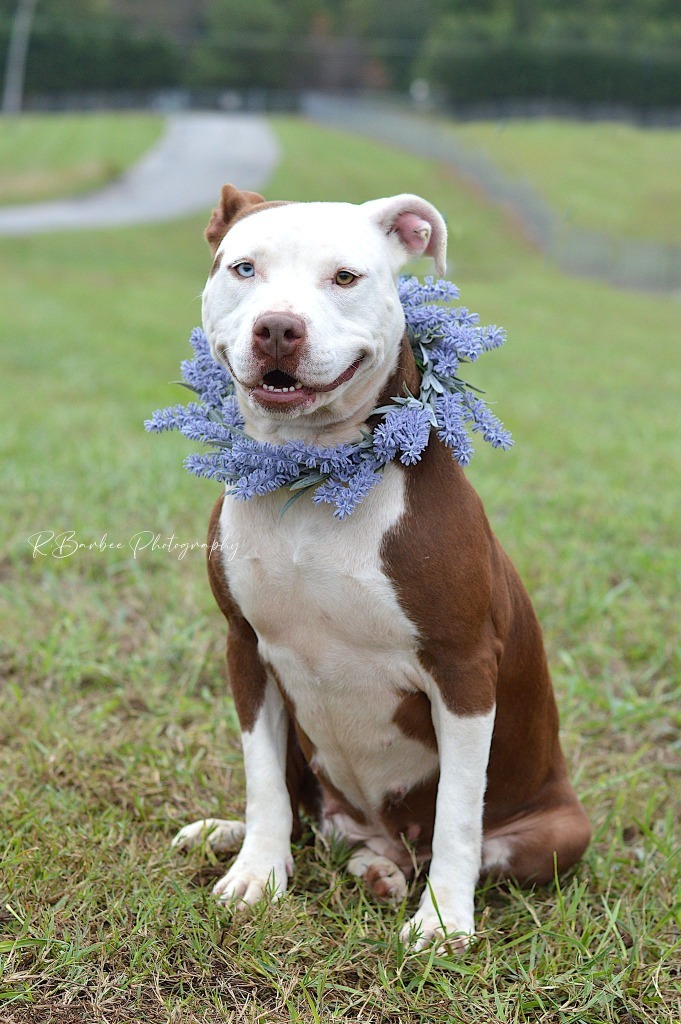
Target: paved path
<point x="180" y="175"/>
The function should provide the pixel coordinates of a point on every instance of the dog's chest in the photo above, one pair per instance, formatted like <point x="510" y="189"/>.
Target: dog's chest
<point x="329" y="624"/>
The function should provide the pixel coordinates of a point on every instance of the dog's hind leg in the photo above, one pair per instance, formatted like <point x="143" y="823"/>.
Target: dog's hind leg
<point x="222" y="836"/>
<point x="383" y="877"/>
<point x="534" y="846"/>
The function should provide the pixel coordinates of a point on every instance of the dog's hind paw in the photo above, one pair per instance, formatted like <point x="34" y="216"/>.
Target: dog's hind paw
<point x="222" y="836"/>
<point x="386" y="881"/>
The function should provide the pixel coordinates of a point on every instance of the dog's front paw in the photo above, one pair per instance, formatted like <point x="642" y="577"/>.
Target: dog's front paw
<point x="451" y="930"/>
<point x="248" y="882"/>
<point x="222" y="836"/>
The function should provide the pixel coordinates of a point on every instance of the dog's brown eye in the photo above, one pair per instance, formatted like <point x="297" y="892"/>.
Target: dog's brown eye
<point x="345" y="277"/>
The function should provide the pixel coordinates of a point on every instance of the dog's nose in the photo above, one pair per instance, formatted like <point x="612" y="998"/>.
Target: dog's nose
<point x="278" y="334"/>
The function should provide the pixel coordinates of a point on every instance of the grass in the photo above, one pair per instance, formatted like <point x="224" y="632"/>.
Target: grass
<point x="48" y="156"/>
<point x="115" y="726"/>
<point x="610" y="177"/>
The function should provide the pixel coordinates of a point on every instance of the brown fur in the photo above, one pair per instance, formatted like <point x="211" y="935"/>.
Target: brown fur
<point x="234" y="206"/>
<point x="482" y="644"/>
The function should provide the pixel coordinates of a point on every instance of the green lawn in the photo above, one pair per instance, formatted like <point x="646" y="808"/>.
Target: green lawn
<point x="115" y="725"/>
<point x="44" y="156"/>
<point x="615" y="178"/>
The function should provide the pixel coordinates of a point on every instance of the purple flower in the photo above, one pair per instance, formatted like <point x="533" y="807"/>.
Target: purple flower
<point x="412" y="292"/>
<point x="452" y="429"/>
<point x="445" y="359"/>
<point x="486" y="423"/>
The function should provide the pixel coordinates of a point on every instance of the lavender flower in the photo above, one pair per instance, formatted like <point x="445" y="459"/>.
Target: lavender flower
<point x="413" y="293"/>
<point x="486" y="423"/>
<point x="442" y="337"/>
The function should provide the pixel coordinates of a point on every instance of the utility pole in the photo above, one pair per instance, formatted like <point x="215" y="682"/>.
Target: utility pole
<point x="17" y="51"/>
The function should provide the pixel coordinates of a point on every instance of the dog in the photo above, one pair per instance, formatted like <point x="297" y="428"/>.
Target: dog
<point x="388" y="671"/>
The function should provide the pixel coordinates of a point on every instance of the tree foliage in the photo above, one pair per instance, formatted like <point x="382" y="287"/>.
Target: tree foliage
<point x="470" y="49"/>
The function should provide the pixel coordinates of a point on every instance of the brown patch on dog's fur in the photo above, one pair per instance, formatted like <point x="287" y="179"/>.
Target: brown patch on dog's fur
<point x="438" y="558"/>
<point x="232" y="202"/>
<point x="414" y="818"/>
<point x="562" y="827"/>
<point x="234" y="205"/>
<point x="216" y="265"/>
<point x="303" y="788"/>
<point x="246" y="671"/>
<point x="412" y="716"/>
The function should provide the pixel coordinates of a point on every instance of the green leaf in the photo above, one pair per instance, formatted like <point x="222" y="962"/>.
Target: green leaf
<point x="291" y="500"/>
<point x="308" y="481"/>
<point x="183" y="384"/>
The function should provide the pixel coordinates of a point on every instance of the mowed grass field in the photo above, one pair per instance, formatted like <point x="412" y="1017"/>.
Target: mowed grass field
<point x="44" y="157"/>
<point x="115" y="723"/>
<point x="611" y="177"/>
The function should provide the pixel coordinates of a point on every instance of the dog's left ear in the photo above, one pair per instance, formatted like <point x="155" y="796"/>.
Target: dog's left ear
<point x="233" y="201"/>
<point x="417" y="227"/>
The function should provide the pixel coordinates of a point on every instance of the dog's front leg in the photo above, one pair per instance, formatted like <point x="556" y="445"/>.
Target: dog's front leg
<point x="446" y="908"/>
<point x="264" y="862"/>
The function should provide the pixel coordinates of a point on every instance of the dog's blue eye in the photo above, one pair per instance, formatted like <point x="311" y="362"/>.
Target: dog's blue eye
<point x="244" y="269"/>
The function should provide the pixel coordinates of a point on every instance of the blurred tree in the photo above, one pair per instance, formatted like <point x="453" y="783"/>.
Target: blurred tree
<point x="83" y="44"/>
<point x="259" y="43"/>
<point x="66" y="10"/>
<point x="599" y="22"/>
<point x="583" y="51"/>
<point x="290" y="43"/>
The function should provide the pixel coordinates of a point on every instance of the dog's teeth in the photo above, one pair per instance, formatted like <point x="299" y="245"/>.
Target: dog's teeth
<point x="280" y="391"/>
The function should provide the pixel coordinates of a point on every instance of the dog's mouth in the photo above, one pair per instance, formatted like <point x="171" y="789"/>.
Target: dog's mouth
<point x="277" y="388"/>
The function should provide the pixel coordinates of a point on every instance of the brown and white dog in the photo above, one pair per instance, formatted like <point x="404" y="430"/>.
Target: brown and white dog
<point x="388" y="671"/>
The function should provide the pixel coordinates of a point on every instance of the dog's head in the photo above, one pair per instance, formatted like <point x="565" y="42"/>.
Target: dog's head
<point x="301" y="304"/>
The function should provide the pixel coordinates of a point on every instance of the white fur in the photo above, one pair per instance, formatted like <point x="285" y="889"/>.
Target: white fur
<point x="264" y="862"/>
<point x="297" y="250"/>
<point x="497" y="853"/>
<point x="222" y="836"/>
<point x="446" y="906"/>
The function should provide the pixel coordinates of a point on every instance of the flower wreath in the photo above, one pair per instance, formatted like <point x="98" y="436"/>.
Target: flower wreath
<point x="441" y="338"/>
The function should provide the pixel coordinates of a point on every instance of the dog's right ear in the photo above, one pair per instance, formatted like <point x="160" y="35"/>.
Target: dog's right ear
<point x="232" y="202"/>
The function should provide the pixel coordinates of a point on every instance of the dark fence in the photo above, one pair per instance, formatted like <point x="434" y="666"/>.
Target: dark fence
<point x="168" y="101"/>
